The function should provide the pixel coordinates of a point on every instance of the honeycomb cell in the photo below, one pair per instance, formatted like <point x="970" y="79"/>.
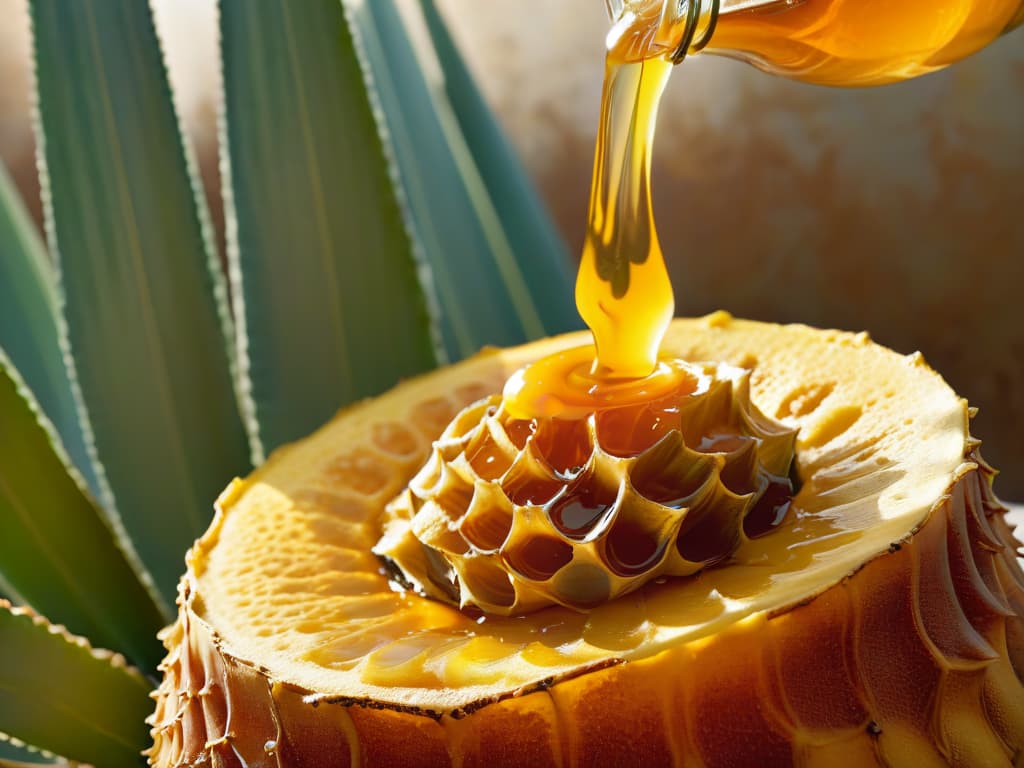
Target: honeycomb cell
<point x="581" y="510"/>
<point x="540" y="558"/>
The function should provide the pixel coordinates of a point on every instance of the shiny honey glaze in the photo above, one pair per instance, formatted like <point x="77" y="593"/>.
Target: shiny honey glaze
<point x="566" y="386"/>
<point x="862" y="42"/>
<point x="511" y="516"/>
<point x="623" y="292"/>
<point x="566" y="533"/>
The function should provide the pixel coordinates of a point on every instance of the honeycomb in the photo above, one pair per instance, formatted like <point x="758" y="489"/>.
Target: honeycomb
<point x="511" y="515"/>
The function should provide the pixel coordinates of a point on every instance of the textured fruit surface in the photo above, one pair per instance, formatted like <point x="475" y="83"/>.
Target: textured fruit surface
<point x="510" y="515"/>
<point x="879" y="623"/>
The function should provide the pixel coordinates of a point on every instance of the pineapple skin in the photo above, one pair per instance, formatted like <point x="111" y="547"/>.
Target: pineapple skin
<point x="916" y="659"/>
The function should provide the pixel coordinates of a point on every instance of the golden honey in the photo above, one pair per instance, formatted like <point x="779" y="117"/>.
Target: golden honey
<point x="878" y="624"/>
<point x="862" y="42"/>
<point x="513" y="515"/>
<point x="623" y="292"/>
<point x="622" y="289"/>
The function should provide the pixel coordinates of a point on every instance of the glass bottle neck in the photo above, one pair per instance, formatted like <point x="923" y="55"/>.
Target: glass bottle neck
<point x="696" y="20"/>
<point x="670" y="28"/>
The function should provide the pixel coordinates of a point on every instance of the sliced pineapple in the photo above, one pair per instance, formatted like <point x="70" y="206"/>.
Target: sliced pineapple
<point x="880" y="623"/>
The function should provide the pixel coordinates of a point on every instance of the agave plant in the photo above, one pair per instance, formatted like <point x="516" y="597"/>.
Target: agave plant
<point x="378" y="224"/>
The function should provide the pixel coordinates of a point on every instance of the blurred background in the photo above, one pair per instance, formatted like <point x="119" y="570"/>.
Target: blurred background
<point x="899" y="210"/>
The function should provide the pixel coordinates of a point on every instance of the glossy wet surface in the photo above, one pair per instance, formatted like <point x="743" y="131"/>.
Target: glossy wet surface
<point x="287" y="576"/>
<point x="510" y="515"/>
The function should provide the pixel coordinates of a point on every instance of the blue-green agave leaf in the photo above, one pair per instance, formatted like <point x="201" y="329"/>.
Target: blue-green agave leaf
<point x="59" y="694"/>
<point x="29" y="318"/>
<point x="140" y="289"/>
<point x="16" y="755"/>
<point x="537" y="245"/>
<point x="485" y="294"/>
<point x="328" y="303"/>
<point x="57" y="553"/>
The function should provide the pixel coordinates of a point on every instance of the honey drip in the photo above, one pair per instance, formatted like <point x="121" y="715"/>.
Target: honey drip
<point x="602" y="467"/>
<point x="623" y="292"/>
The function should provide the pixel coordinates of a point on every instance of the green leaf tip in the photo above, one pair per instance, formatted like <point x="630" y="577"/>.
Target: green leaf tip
<point x="30" y="330"/>
<point x="14" y="753"/>
<point x="57" y="552"/>
<point x="60" y="694"/>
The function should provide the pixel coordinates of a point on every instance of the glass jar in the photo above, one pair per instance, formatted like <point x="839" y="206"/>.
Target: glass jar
<point x="830" y="42"/>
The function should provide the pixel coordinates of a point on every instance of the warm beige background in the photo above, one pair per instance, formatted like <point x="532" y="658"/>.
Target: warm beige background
<point x="899" y="210"/>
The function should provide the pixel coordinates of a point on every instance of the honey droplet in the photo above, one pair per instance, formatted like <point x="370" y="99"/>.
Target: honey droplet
<point x="623" y="292"/>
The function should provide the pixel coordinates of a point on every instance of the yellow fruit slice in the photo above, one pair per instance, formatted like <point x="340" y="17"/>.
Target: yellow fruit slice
<point x="881" y="623"/>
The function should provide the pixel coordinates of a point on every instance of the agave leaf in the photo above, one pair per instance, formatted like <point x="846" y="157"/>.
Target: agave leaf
<point x="59" y="694"/>
<point x="140" y="287"/>
<point x="19" y="756"/>
<point x="329" y="305"/>
<point x="57" y="552"/>
<point x="479" y="278"/>
<point x="538" y="247"/>
<point x="29" y="319"/>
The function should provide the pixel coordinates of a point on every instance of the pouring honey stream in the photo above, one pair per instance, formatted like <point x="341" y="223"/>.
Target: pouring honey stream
<point x="603" y="467"/>
<point x="623" y="291"/>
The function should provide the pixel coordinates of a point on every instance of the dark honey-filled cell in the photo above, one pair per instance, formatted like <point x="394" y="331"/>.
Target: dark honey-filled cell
<point x="486" y="457"/>
<point x="565" y="444"/>
<point x="524" y="489"/>
<point x="630" y="548"/>
<point x="740" y="472"/>
<point x="628" y="432"/>
<point x="708" y="537"/>
<point x="668" y="476"/>
<point x="770" y="509"/>
<point x="539" y="557"/>
<point x="519" y="431"/>
<point x="576" y="514"/>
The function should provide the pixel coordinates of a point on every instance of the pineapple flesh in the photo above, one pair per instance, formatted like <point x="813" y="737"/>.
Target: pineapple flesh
<point x="879" y="623"/>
